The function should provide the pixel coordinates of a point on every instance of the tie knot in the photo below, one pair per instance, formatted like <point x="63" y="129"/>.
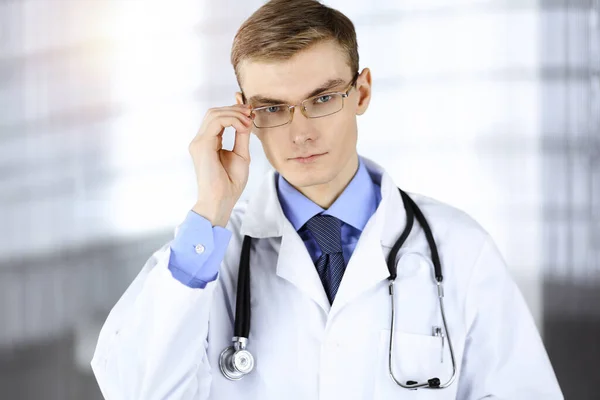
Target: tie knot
<point x="327" y="231"/>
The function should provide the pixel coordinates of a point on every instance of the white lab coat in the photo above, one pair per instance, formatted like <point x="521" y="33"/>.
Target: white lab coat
<point x="162" y="340"/>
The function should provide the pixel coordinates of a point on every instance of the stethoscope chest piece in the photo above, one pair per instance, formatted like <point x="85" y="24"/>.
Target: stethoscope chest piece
<point x="235" y="361"/>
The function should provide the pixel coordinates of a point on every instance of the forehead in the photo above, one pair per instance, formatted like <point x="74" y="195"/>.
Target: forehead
<point x="291" y="79"/>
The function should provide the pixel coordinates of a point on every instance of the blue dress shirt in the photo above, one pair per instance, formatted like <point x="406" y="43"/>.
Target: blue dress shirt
<point x="354" y="207"/>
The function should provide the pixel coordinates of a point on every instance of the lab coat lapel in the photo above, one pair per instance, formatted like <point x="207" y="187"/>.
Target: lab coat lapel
<point x="264" y="219"/>
<point x="295" y="265"/>
<point x="367" y="266"/>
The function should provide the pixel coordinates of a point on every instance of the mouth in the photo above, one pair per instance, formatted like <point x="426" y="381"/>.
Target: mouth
<point x="307" y="159"/>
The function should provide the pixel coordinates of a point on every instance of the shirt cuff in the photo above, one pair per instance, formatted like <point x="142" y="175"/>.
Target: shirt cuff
<point x="197" y="251"/>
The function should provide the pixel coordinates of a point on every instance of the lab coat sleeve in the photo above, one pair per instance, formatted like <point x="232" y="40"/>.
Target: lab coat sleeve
<point x="153" y="344"/>
<point x="504" y="357"/>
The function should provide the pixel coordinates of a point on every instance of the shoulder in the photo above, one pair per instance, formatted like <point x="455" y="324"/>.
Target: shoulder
<point x="447" y="221"/>
<point x="460" y="239"/>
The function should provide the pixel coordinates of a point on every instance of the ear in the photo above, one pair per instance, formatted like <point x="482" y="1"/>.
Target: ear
<point x="239" y="98"/>
<point x="363" y="87"/>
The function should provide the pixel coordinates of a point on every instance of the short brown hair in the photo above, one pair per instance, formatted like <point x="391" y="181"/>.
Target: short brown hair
<point x="281" y="28"/>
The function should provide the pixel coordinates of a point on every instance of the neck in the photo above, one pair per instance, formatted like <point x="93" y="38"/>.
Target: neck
<point x="325" y="195"/>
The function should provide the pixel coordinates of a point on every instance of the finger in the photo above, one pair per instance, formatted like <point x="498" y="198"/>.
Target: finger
<point x="241" y="147"/>
<point x="237" y="109"/>
<point x="217" y="126"/>
<point x="246" y="118"/>
<point x="243" y="115"/>
<point x="245" y="108"/>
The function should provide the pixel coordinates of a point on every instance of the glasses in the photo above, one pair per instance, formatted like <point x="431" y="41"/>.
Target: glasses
<point x="317" y="106"/>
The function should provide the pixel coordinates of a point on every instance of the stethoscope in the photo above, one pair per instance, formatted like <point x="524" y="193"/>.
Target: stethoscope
<point x="236" y="361"/>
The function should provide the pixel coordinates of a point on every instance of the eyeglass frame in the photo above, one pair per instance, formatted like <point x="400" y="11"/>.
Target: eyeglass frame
<point x="291" y="108"/>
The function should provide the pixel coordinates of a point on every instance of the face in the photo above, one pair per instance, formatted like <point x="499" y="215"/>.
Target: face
<point x="332" y="139"/>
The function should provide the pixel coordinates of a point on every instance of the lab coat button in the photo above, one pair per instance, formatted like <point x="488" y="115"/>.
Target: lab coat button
<point x="199" y="249"/>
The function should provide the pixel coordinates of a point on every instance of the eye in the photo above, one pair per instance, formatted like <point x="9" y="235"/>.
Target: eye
<point x="323" y="99"/>
<point x="273" y="109"/>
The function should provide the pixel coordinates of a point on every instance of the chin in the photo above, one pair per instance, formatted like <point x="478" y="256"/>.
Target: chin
<point x="300" y="177"/>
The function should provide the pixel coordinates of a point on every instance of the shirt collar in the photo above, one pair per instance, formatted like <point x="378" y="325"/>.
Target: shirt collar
<point x="360" y="194"/>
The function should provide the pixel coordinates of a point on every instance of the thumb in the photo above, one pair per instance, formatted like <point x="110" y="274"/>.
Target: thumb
<point x="241" y="147"/>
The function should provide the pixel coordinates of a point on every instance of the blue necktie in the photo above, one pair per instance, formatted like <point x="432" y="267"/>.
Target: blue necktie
<point x="327" y="231"/>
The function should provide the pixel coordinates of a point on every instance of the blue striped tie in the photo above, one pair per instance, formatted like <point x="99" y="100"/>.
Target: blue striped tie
<point x="330" y="265"/>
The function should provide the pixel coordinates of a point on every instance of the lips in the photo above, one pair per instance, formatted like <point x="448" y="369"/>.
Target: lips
<point x="309" y="158"/>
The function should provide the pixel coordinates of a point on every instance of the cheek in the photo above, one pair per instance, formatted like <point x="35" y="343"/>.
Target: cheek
<point x="271" y="144"/>
<point x="344" y="132"/>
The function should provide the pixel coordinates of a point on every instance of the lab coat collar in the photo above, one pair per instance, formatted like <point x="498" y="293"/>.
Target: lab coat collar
<point x="264" y="218"/>
<point x="391" y="208"/>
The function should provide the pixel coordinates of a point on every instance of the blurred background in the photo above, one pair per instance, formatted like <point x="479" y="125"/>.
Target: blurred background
<point x="496" y="109"/>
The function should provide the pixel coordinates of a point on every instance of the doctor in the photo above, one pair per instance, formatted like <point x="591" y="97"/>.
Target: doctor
<point x="314" y="306"/>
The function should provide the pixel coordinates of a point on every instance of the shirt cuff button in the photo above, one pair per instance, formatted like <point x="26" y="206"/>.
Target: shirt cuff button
<point x="199" y="249"/>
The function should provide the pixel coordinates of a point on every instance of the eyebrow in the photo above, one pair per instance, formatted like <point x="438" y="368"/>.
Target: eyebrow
<point x="330" y="84"/>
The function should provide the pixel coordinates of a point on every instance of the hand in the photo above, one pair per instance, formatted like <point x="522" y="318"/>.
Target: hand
<point x="221" y="175"/>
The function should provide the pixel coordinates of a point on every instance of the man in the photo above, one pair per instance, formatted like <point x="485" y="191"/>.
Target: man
<point x="321" y="228"/>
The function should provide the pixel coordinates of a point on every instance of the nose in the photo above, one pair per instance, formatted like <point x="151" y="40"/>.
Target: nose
<point x="300" y="127"/>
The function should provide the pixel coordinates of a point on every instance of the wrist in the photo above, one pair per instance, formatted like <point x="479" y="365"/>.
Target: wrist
<point x="216" y="215"/>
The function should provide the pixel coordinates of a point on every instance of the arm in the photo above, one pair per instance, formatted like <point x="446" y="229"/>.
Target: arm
<point x="504" y="355"/>
<point x="154" y="342"/>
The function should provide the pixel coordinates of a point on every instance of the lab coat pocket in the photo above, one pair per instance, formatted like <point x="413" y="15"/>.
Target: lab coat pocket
<point x="415" y="357"/>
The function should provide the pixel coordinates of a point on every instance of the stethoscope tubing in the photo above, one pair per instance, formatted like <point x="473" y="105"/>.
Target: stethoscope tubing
<point x="243" y="310"/>
<point x="412" y="211"/>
